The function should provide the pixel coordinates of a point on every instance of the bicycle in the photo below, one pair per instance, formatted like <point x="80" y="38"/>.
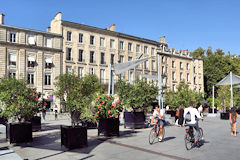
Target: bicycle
<point x="189" y="137"/>
<point x="155" y="132"/>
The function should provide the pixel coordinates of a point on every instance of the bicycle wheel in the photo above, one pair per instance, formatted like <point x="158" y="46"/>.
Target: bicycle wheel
<point x="200" y="133"/>
<point x="188" y="142"/>
<point x="152" y="136"/>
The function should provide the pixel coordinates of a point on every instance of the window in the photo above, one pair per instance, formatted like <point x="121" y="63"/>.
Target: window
<point x="194" y="69"/>
<point x="137" y="48"/>
<point x="80" y="55"/>
<point x="112" y="43"/>
<point x="68" y="69"/>
<point x="130" y="76"/>
<point x="102" y="42"/>
<point x="145" y="64"/>
<point x="153" y="65"/>
<point x="112" y="59"/>
<point x="188" y="77"/>
<point x="163" y="59"/>
<point x="163" y="70"/>
<point x="48" y="79"/>
<point x="173" y="64"/>
<point x="187" y="66"/>
<point x="129" y="58"/>
<point x="121" y="59"/>
<point x="181" y="65"/>
<point x="173" y="87"/>
<point x="12" y="74"/>
<point x="92" y="40"/>
<point x="69" y="36"/>
<point x="91" y="57"/>
<point x="145" y="50"/>
<point x="48" y="42"/>
<point x="31" y="61"/>
<point x="152" y="51"/>
<point x="181" y="76"/>
<point x="80" y="38"/>
<point x="102" y="58"/>
<point x="48" y="62"/>
<point x="102" y="73"/>
<point x="129" y="46"/>
<point x="31" y="39"/>
<point x="30" y="78"/>
<point x="80" y="72"/>
<point x="121" y="45"/>
<point x="194" y="80"/>
<point x="173" y="76"/>
<point x="12" y="59"/>
<point x="12" y="37"/>
<point x="91" y="70"/>
<point x="69" y="54"/>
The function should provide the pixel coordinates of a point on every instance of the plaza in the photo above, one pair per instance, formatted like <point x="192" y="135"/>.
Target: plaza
<point x="218" y="144"/>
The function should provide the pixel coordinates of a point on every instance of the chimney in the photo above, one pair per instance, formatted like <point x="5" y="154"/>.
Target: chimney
<point x="162" y="39"/>
<point x="112" y="28"/>
<point x="58" y="16"/>
<point x="48" y="29"/>
<point x="2" y="18"/>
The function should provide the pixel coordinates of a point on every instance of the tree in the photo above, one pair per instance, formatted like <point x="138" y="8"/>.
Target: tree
<point x="198" y="52"/>
<point x="17" y="100"/>
<point x="76" y="94"/>
<point x="138" y="96"/>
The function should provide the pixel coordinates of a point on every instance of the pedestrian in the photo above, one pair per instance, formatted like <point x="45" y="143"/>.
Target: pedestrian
<point x="56" y="112"/>
<point x="176" y="117"/>
<point x="233" y="115"/>
<point x="200" y="111"/>
<point x="44" y="113"/>
<point x="180" y="117"/>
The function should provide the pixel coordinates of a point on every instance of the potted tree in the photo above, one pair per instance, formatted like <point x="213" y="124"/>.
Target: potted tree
<point x="106" y="111"/>
<point x="137" y="99"/>
<point x="19" y="104"/>
<point x="75" y="95"/>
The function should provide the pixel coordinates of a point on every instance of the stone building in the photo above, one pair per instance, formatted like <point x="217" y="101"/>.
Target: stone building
<point x="32" y="55"/>
<point x="90" y="50"/>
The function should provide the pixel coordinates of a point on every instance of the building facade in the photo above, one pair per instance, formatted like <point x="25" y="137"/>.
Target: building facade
<point x="32" y="55"/>
<point x="90" y="50"/>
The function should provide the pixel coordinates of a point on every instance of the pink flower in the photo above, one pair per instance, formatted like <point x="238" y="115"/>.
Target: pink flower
<point x="103" y="102"/>
<point x="98" y="107"/>
<point x="97" y="111"/>
<point x="118" y="101"/>
<point x="100" y="104"/>
<point x="103" y="117"/>
<point x="114" y="105"/>
<point x="97" y="115"/>
<point x="108" y="111"/>
<point x="116" y="116"/>
<point x="98" y="97"/>
<point x="110" y="116"/>
<point x="35" y="99"/>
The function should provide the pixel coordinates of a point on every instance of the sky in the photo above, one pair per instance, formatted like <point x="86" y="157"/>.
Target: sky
<point x="186" y="24"/>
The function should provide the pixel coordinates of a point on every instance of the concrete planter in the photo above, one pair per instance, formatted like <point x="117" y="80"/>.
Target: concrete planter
<point x="134" y="120"/>
<point x="108" y="127"/>
<point x="224" y="116"/>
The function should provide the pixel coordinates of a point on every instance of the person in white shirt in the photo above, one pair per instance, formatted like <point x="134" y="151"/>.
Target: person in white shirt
<point x="158" y="118"/>
<point x="193" y="123"/>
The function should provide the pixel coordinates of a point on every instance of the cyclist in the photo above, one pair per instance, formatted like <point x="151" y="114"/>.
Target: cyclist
<point x="189" y="115"/>
<point x="158" y="118"/>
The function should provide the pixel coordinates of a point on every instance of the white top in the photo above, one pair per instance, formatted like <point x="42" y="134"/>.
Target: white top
<point x="194" y="112"/>
<point x="156" y="113"/>
<point x="200" y="109"/>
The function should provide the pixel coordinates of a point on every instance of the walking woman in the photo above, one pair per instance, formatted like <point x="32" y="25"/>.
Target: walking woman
<point x="180" y="117"/>
<point x="233" y="120"/>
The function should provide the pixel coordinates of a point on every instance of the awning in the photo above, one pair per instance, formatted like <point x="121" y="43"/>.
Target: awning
<point x="13" y="57"/>
<point x="31" y="58"/>
<point x="227" y="80"/>
<point x="237" y="86"/>
<point x="48" y="59"/>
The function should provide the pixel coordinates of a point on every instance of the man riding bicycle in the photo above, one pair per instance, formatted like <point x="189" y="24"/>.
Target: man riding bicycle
<point x="158" y="118"/>
<point x="190" y="115"/>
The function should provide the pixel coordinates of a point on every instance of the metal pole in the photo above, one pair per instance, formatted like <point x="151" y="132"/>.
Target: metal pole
<point x="231" y="89"/>
<point x="112" y="83"/>
<point x="109" y="82"/>
<point x="159" y="84"/>
<point x="213" y="100"/>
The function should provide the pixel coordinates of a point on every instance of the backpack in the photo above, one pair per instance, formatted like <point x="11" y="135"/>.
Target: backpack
<point x="188" y="117"/>
<point x="234" y="118"/>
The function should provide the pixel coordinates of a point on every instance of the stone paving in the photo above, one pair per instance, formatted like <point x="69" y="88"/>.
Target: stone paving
<point x="132" y="144"/>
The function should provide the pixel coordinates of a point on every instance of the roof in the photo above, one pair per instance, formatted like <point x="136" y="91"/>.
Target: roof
<point x="107" y="32"/>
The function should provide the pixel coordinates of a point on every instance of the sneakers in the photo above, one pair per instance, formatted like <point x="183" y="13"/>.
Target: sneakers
<point x="160" y="138"/>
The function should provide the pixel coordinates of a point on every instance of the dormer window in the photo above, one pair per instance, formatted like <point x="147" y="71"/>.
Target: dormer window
<point x="31" y="61"/>
<point x="48" y="42"/>
<point x="12" y="37"/>
<point x="48" y="63"/>
<point x="31" y="39"/>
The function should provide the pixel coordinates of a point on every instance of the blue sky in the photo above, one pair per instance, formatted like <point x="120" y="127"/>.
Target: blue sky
<point x="187" y="24"/>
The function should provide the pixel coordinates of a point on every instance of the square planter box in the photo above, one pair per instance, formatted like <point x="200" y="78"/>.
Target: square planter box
<point x="19" y="132"/>
<point x="224" y="116"/>
<point x="36" y="123"/>
<point x="109" y="127"/>
<point x="171" y="112"/>
<point x="74" y="137"/>
<point x="134" y="120"/>
<point x="3" y="120"/>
